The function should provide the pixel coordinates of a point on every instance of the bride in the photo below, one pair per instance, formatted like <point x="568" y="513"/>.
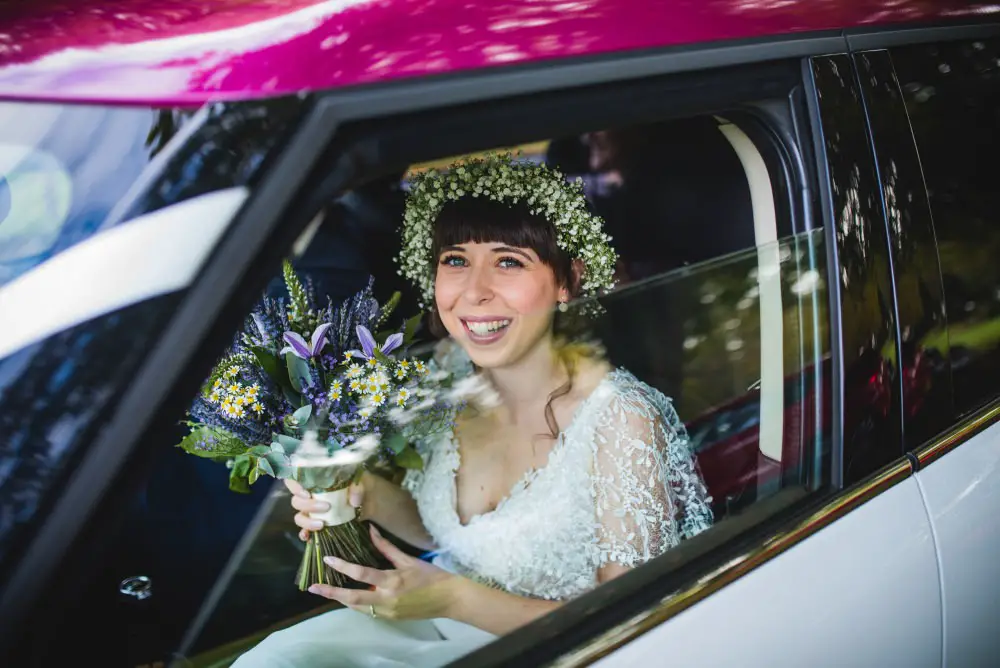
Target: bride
<point x="577" y="474"/>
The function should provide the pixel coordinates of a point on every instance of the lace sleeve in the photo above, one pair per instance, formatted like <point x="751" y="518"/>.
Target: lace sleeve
<point x="647" y="488"/>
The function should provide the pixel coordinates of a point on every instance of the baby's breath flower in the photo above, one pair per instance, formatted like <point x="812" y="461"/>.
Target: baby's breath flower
<point x="500" y="178"/>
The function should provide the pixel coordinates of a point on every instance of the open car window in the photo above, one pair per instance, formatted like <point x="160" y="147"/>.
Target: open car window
<point x="730" y="329"/>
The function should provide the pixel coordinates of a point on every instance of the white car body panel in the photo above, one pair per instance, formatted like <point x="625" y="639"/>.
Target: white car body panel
<point x="962" y="492"/>
<point x="862" y="592"/>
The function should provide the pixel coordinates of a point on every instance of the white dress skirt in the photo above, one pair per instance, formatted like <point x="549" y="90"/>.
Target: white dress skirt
<point x="349" y="639"/>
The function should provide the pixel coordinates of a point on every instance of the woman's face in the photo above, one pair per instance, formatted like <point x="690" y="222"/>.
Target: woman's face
<point x="496" y="301"/>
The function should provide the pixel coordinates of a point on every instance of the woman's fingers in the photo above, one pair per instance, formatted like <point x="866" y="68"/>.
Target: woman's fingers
<point x="396" y="557"/>
<point x="304" y="535"/>
<point x="353" y="598"/>
<point x="372" y="576"/>
<point x="296" y="489"/>
<point x="305" y="522"/>
<point x="309" y="505"/>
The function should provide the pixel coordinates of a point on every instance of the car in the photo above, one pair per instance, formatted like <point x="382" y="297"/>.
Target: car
<point x="803" y="197"/>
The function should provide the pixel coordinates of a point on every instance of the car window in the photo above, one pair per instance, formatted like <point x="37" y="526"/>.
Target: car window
<point x="952" y="92"/>
<point x="106" y="216"/>
<point x="714" y="309"/>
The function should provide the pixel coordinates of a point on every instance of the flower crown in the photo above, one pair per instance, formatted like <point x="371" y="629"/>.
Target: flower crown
<point x="546" y="191"/>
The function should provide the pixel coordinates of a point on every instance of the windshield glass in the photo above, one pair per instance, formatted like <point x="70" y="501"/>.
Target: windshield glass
<point x="62" y="171"/>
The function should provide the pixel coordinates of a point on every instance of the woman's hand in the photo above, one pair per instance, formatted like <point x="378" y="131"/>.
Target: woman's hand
<point x="415" y="589"/>
<point x="303" y="502"/>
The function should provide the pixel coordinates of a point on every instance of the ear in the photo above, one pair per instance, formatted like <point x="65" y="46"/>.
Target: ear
<point x="577" y="271"/>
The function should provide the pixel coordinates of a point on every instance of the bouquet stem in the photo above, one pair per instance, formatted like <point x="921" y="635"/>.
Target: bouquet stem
<point x="348" y="540"/>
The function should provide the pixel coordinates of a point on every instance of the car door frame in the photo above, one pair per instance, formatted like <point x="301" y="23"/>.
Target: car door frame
<point x="277" y="212"/>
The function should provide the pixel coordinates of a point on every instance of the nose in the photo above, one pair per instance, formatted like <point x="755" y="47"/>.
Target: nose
<point x="478" y="286"/>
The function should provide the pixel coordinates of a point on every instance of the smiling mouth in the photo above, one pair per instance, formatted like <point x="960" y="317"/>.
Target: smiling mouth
<point x="486" y="331"/>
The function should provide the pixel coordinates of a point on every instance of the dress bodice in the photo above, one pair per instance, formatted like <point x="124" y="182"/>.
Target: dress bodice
<point x="620" y="485"/>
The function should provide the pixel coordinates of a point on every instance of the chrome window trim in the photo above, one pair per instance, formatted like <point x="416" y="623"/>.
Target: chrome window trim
<point x="968" y="427"/>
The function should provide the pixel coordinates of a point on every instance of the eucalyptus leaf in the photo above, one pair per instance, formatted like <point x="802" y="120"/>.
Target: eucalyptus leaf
<point x="408" y="458"/>
<point x="281" y="466"/>
<point x="298" y="372"/>
<point x="238" y="475"/>
<point x="254" y="474"/>
<point x="303" y="414"/>
<point x="260" y="450"/>
<point x="264" y="466"/>
<point x="395" y="442"/>
<point x="288" y="444"/>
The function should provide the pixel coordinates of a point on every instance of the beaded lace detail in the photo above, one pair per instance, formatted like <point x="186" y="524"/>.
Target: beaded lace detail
<point x="620" y="486"/>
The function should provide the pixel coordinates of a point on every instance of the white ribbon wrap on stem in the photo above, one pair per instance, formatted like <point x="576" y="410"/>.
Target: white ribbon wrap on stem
<point x="341" y="511"/>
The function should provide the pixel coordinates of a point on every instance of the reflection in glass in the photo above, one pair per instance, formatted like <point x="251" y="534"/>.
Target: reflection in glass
<point x="952" y="96"/>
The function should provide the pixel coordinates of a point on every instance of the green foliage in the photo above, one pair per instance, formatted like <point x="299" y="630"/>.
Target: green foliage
<point x="408" y="458"/>
<point x="211" y="443"/>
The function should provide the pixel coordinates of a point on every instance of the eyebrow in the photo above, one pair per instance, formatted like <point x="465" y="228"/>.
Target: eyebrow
<point x="498" y="249"/>
<point x="509" y="249"/>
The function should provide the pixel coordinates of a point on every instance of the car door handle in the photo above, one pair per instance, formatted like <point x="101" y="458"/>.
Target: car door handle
<point x="137" y="586"/>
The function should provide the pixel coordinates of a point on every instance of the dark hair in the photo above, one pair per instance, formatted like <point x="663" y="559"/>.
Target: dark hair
<point x="483" y="220"/>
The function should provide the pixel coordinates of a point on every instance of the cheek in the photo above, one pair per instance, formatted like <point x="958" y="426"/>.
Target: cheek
<point x="531" y="294"/>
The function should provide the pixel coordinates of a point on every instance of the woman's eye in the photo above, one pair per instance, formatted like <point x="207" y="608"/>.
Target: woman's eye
<point x="453" y="261"/>
<point x="509" y="263"/>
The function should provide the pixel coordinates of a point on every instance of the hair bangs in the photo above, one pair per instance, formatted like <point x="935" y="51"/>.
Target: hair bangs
<point x="482" y="220"/>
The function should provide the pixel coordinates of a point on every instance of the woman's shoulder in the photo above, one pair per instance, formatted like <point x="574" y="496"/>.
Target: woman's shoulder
<point x="628" y="400"/>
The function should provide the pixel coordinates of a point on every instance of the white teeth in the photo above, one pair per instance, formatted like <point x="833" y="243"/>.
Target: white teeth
<point x="486" y="328"/>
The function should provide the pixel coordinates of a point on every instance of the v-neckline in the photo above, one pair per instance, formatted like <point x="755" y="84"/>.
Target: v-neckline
<point x="524" y="482"/>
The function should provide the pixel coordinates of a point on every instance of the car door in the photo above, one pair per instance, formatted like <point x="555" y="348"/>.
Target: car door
<point x="824" y="510"/>
<point x="938" y="100"/>
<point x="855" y="582"/>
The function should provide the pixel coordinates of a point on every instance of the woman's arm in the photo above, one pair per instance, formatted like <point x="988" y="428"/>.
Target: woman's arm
<point x="497" y="612"/>
<point x="391" y="507"/>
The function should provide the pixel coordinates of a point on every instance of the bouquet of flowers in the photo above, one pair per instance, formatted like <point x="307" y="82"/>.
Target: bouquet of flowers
<point x="311" y="394"/>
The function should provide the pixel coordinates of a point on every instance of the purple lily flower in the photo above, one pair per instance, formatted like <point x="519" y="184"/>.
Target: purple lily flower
<point x="368" y="345"/>
<point x="298" y="346"/>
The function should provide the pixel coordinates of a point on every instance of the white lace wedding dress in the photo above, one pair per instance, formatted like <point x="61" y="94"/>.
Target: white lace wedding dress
<point x="619" y="486"/>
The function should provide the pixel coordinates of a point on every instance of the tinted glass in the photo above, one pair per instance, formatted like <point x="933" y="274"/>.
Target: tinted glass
<point x="925" y="371"/>
<point x="872" y="425"/>
<point x="952" y="94"/>
<point x="732" y="327"/>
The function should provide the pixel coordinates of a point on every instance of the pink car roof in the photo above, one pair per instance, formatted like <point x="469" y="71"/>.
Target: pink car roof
<point x="185" y="52"/>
